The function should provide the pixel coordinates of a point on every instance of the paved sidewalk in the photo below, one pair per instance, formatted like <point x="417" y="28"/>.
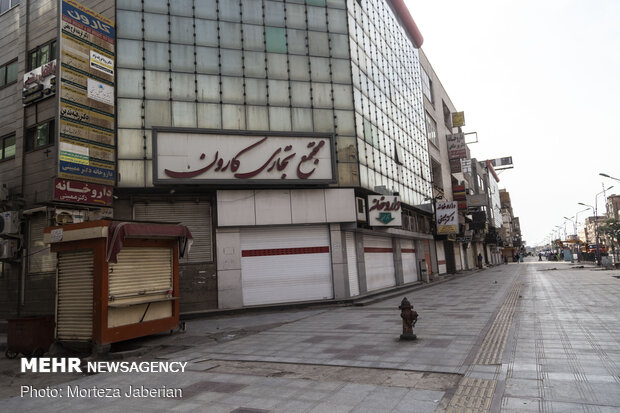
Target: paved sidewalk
<point x="519" y="337"/>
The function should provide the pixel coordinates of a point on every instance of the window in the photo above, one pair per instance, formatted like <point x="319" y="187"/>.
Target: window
<point x="41" y="55"/>
<point x="40" y="135"/>
<point x="7" y="4"/>
<point x="427" y="86"/>
<point x="8" y="73"/>
<point x="275" y="39"/>
<point x="7" y="147"/>
<point x="431" y="129"/>
<point x="447" y="115"/>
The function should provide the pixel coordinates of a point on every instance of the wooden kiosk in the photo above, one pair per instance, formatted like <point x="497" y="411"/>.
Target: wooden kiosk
<point x="116" y="280"/>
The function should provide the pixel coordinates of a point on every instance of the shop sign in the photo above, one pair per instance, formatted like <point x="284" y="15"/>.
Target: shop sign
<point x="39" y="83"/>
<point x="456" y="146"/>
<point x="82" y="193"/>
<point x="228" y="157"/>
<point x="384" y="211"/>
<point x="501" y="163"/>
<point x="447" y="217"/>
<point x="87" y="149"/>
<point x="459" y="194"/>
<point x="458" y="119"/>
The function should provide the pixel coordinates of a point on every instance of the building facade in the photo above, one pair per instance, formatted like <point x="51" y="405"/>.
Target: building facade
<point x="290" y="138"/>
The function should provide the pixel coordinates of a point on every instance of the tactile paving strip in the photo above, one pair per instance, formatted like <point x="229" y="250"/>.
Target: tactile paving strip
<point x="493" y="344"/>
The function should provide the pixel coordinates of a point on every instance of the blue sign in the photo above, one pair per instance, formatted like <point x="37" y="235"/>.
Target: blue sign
<point x="77" y="171"/>
<point x="89" y="19"/>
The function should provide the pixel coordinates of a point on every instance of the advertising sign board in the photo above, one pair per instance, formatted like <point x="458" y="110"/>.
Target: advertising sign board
<point x="86" y="96"/>
<point x="384" y="211"/>
<point x="447" y="217"/>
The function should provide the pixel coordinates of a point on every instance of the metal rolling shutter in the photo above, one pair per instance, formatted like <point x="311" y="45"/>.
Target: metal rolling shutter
<point x="379" y="259"/>
<point x="194" y="215"/>
<point x="410" y="271"/>
<point x="74" y="313"/>
<point x="354" y="285"/>
<point x="285" y="264"/>
<point x="140" y="272"/>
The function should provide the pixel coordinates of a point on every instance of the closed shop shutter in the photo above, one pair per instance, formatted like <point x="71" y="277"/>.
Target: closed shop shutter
<point x="441" y="257"/>
<point x="354" y="285"/>
<point x="285" y="264"/>
<point x="194" y="215"/>
<point x="40" y="259"/>
<point x="379" y="258"/>
<point x="74" y="314"/>
<point x="410" y="270"/>
<point x="141" y="274"/>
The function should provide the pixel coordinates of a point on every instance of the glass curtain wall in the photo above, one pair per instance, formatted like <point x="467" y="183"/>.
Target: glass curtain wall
<point x="232" y="64"/>
<point x="389" y="111"/>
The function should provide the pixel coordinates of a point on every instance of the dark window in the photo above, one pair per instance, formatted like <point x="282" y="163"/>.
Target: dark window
<point x="447" y="115"/>
<point x="41" y="55"/>
<point x="7" y="4"/>
<point x="7" y="147"/>
<point x="40" y="135"/>
<point x="427" y="86"/>
<point x="8" y="73"/>
<point x="431" y="129"/>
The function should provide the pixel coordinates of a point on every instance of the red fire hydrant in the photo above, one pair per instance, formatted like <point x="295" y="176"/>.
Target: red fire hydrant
<point x="410" y="317"/>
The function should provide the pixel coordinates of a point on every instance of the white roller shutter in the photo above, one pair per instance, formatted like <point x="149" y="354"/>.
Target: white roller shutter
<point x="410" y="270"/>
<point x="144" y="273"/>
<point x="74" y="306"/>
<point x="194" y="215"/>
<point x="354" y="285"/>
<point x="441" y="257"/>
<point x="379" y="259"/>
<point x="285" y="264"/>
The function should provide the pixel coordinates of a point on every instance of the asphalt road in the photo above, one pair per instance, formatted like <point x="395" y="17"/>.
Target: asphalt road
<point x="533" y="336"/>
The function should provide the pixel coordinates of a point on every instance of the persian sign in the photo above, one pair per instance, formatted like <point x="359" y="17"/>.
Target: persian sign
<point x="86" y="89"/>
<point x="39" y="83"/>
<point x="456" y="146"/>
<point x="82" y="192"/>
<point x="447" y="217"/>
<point x="384" y="211"/>
<point x="211" y="158"/>
<point x="458" y="119"/>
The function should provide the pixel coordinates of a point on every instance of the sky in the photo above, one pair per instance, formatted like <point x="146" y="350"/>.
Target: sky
<point x="538" y="80"/>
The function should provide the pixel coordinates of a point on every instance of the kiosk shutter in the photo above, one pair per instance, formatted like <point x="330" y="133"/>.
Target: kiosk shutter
<point x="74" y="318"/>
<point x="140" y="272"/>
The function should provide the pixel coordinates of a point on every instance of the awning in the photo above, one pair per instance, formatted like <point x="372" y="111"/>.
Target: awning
<point x="118" y="231"/>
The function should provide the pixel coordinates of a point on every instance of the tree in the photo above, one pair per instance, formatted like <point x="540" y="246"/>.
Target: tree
<point x="611" y="228"/>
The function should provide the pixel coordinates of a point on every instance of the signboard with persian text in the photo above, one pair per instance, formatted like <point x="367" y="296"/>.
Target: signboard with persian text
<point x="191" y="157"/>
<point x="447" y="217"/>
<point x="86" y="96"/>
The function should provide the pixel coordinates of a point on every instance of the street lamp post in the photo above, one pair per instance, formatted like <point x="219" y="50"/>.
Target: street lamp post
<point x="577" y="251"/>
<point x="610" y="177"/>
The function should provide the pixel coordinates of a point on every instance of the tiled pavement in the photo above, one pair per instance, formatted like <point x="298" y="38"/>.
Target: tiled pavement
<point x="555" y="332"/>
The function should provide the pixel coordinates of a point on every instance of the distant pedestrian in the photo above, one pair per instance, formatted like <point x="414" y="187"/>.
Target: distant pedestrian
<point x="480" y="260"/>
<point x="539" y="256"/>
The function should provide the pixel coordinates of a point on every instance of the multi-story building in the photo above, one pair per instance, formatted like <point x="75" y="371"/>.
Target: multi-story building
<point x="289" y="137"/>
<point x="613" y="206"/>
<point x="438" y="108"/>
<point x="511" y="228"/>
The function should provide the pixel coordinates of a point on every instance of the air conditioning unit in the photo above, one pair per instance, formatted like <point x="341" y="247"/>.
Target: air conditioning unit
<point x="8" y="248"/>
<point x="360" y="209"/>
<point x="9" y="222"/>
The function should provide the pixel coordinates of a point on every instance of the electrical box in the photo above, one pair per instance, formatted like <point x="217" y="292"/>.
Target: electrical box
<point x="8" y="248"/>
<point x="9" y="222"/>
